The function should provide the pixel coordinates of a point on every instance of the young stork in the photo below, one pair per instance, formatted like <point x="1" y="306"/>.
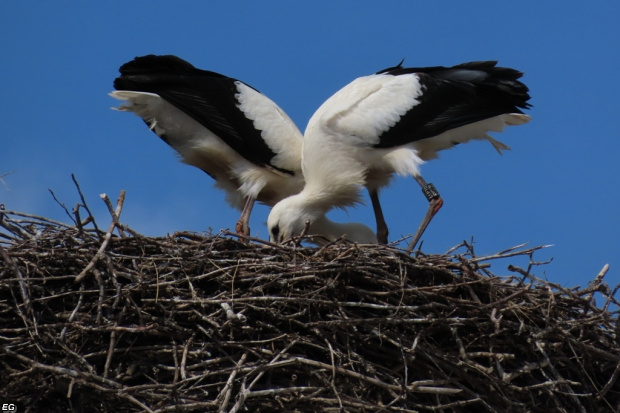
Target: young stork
<point x="391" y="122"/>
<point x="226" y="128"/>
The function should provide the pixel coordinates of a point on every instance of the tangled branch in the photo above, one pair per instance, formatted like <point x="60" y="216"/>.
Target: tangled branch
<point x="198" y="322"/>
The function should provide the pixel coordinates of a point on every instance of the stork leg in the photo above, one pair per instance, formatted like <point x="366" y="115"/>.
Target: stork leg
<point x="243" y="224"/>
<point x="382" y="229"/>
<point x="434" y="204"/>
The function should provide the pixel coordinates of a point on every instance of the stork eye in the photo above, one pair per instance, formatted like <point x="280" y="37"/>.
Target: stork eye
<point x="275" y="232"/>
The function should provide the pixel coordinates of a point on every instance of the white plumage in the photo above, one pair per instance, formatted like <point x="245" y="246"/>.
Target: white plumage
<point x="391" y="122"/>
<point x="226" y="128"/>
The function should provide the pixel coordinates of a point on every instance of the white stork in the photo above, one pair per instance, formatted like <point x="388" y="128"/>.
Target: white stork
<point x="228" y="129"/>
<point x="391" y="122"/>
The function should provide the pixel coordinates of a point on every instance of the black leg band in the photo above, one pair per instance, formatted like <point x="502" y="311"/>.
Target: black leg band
<point x="430" y="192"/>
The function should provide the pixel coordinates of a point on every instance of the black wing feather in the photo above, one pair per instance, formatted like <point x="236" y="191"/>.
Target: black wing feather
<point x="456" y="96"/>
<point x="208" y="97"/>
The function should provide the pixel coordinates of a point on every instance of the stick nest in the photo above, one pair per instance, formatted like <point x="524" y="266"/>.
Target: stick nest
<point x="91" y="321"/>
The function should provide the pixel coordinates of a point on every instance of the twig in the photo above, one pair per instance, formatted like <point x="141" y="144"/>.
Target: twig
<point x="108" y="361"/>
<point x="612" y="380"/>
<point x="2" y="179"/>
<point x="78" y="219"/>
<point x="224" y="396"/>
<point x="106" y="240"/>
<point x="596" y="284"/>
<point x="63" y="206"/>
<point x="23" y="288"/>
<point x="184" y="356"/>
<point x="37" y="218"/>
<point x="509" y="297"/>
<point x="245" y="391"/>
<point x="14" y="229"/>
<point x="115" y="216"/>
<point x="503" y="254"/>
<point x="558" y="377"/>
<point x="74" y="312"/>
<point x="85" y="205"/>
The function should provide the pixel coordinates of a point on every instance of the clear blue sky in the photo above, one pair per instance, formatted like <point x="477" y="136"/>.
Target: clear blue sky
<point x="559" y="184"/>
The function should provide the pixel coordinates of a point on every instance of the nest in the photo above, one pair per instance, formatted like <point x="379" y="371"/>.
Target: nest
<point x="91" y="321"/>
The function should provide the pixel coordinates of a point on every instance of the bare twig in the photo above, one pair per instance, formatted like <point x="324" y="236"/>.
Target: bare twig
<point x="2" y="179"/>
<point x="62" y="205"/>
<point x="106" y="240"/>
<point x="23" y="287"/>
<point x="85" y="205"/>
<point x="224" y="396"/>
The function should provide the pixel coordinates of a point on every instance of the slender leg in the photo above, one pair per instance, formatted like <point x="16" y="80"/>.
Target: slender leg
<point x="382" y="229"/>
<point x="243" y="224"/>
<point x="434" y="204"/>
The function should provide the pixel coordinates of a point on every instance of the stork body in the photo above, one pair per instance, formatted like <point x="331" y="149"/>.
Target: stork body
<point x="390" y="123"/>
<point x="226" y="128"/>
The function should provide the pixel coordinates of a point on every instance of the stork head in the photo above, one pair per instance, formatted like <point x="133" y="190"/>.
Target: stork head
<point x="288" y="219"/>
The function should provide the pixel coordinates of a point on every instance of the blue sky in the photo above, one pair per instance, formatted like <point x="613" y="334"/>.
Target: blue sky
<point x="559" y="185"/>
